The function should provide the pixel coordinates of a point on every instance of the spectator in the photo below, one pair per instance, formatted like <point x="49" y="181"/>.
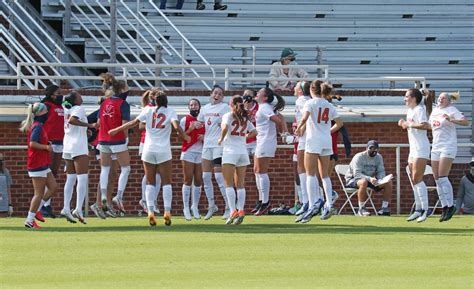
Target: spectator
<point x="217" y="5"/>
<point x="288" y="56"/>
<point x="5" y="183"/>
<point x="365" y="169"/>
<point x="179" y="6"/>
<point x="465" y="199"/>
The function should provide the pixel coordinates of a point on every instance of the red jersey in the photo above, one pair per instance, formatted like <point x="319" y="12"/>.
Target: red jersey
<point x="194" y="134"/>
<point x="111" y="116"/>
<point x="38" y="160"/>
<point x="54" y="126"/>
<point x="334" y="142"/>
<point x="252" y="117"/>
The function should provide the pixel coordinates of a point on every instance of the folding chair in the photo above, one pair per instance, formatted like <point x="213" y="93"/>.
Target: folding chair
<point x="341" y="171"/>
<point x="428" y="171"/>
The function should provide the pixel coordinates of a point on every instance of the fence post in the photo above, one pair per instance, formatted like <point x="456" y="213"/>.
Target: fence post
<point x="254" y="62"/>
<point x="67" y="18"/>
<point x="113" y="34"/>
<point x="158" y="69"/>
<point x="18" y="74"/>
<point x="226" y="77"/>
<point x="244" y="62"/>
<point x="319" y="60"/>
<point x="397" y="153"/>
<point x="183" y="61"/>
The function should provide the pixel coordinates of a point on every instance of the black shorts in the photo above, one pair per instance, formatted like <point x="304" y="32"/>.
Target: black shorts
<point x="217" y="161"/>
<point x="334" y="157"/>
<point x="352" y="183"/>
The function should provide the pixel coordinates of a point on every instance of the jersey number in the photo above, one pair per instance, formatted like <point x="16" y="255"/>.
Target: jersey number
<point x="236" y="126"/>
<point x="323" y="116"/>
<point x="209" y="122"/>
<point x="158" y="120"/>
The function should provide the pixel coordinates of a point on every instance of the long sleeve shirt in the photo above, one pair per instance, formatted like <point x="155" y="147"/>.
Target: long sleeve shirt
<point x="364" y="166"/>
<point x="466" y="194"/>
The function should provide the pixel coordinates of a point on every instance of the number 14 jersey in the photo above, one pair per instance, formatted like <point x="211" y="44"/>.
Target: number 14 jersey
<point x="158" y="128"/>
<point x="318" y="127"/>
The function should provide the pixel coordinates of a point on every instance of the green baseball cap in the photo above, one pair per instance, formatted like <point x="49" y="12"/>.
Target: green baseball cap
<point x="288" y="53"/>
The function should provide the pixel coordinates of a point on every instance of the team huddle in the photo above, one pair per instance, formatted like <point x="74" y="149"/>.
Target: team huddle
<point x="218" y="139"/>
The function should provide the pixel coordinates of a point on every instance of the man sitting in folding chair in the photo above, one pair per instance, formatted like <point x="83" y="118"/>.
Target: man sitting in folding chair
<point x="365" y="171"/>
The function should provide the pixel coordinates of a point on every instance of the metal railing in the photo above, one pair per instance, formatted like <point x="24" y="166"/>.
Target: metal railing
<point x="397" y="148"/>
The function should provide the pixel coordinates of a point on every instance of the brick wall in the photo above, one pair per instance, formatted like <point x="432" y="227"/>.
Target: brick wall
<point x="281" y="174"/>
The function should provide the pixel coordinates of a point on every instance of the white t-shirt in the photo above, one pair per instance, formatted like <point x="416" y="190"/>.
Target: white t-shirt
<point x="195" y="148"/>
<point x="417" y="138"/>
<point x="75" y="137"/>
<point x="444" y="131"/>
<point x="235" y="140"/>
<point x="211" y="116"/>
<point x="299" y="105"/>
<point x="266" y="128"/>
<point x="158" y="128"/>
<point x="318" y="130"/>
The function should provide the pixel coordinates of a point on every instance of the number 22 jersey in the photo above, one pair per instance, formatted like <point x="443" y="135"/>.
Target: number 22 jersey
<point x="235" y="139"/>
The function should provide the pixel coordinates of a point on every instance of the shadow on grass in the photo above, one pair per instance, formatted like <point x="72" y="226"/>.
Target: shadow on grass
<point x="310" y="228"/>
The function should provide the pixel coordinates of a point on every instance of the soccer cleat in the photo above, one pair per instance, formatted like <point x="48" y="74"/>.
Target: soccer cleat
<point x="310" y="213"/>
<point x="167" y="218"/>
<point x="226" y="214"/>
<point x="187" y="214"/>
<point x="39" y="217"/>
<point x="423" y="217"/>
<point x="415" y="215"/>
<point x="97" y="211"/>
<point x="68" y="216"/>
<point x="384" y="212"/>
<point x="240" y="218"/>
<point x="302" y="210"/>
<point x="443" y="214"/>
<point x="211" y="212"/>
<point x="110" y="212"/>
<point x="151" y="219"/>
<point x="142" y="204"/>
<point x="263" y="209"/>
<point x="105" y="207"/>
<point x="32" y="225"/>
<point x="47" y="211"/>
<point x="232" y="217"/>
<point x="257" y="207"/>
<point x="200" y="6"/>
<point x="118" y="202"/>
<point x="195" y="212"/>
<point x="10" y="210"/>
<point x="449" y="213"/>
<point x="220" y="7"/>
<point x="363" y="212"/>
<point x="79" y="216"/>
<point x="327" y="213"/>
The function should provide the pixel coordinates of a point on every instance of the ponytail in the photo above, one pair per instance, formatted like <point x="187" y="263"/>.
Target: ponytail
<point x="316" y="87"/>
<point x="145" y="100"/>
<point x="454" y="96"/>
<point x="238" y="110"/>
<point x="326" y="90"/>
<point x="30" y="113"/>
<point x="280" y="105"/>
<point x="429" y="99"/>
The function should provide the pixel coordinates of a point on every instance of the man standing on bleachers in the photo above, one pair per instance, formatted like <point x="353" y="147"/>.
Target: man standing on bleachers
<point x="288" y="56"/>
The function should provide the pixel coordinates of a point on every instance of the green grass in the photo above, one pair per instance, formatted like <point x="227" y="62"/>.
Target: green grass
<point x="265" y="252"/>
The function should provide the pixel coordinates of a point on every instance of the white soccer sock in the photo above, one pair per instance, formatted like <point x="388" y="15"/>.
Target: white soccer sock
<point x="167" y="197"/>
<point x="441" y="195"/>
<point x="230" y="192"/>
<point x="208" y="188"/>
<point x="265" y="185"/>
<point x="298" y="193"/>
<point x="416" y="196"/>
<point x="384" y="204"/>
<point x="304" y="188"/>
<point x="186" y="191"/>
<point x="143" y="187"/>
<point x="196" y="196"/>
<point x="241" y="198"/>
<point x="328" y="191"/>
<point x="312" y="185"/>
<point x="30" y="217"/>
<point x="157" y="188"/>
<point x="259" y="187"/>
<point x="81" y="190"/>
<point x="48" y="202"/>
<point x="68" y="188"/>
<point x="220" y="182"/>
<point x="448" y="191"/>
<point x="422" y="195"/>
<point x="41" y="205"/>
<point x="104" y="181"/>
<point x="123" y="179"/>
<point x="150" y="197"/>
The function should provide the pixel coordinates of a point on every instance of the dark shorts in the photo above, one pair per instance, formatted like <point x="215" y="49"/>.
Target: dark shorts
<point x="352" y="183"/>
<point x="334" y="157"/>
<point x="217" y="161"/>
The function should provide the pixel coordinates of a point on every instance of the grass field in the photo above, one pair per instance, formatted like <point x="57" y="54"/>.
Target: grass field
<point x="264" y="252"/>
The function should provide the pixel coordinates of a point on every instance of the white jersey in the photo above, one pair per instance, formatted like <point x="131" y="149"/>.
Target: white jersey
<point x="318" y="130"/>
<point x="444" y="131"/>
<point x="75" y="137"/>
<point x="235" y="140"/>
<point x="211" y="116"/>
<point x="418" y="138"/>
<point x="195" y="148"/>
<point x="266" y="128"/>
<point x="299" y="105"/>
<point x="158" y="128"/>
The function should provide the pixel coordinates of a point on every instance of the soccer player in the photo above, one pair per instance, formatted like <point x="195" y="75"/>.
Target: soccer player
<point x="156" y="154"/>
<point x="443" y="121"/>
<point x="417" y="125"/>
<point x="191" y="159"/>
<point x="211" y="116"/>
<point x="236" y="128"/>
<point x="267" y="121"/>
<point x="318" y="148"/>
<point x="39" y="160"/>
<point x="76" y="155"/>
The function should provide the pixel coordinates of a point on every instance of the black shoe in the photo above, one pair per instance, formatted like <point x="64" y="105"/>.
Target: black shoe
<point x="449" y="213"/>
<point x="200" y="6"/>
<point x="47" y="211"/>
<point x="179" y="14"/>
<point x="443" y="214"/>
<point x="257" y="207"/>
<point x="263" y="209"/>
<point x="220" y="7"/>
<point x="384" y="212"/>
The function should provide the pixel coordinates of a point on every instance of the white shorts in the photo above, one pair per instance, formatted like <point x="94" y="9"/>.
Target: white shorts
<point x="238" y="160"/>
<point x="265" y="151"/>
<point x="57" y="148"/>
<point x="39" y="174"/>
<point x="318" y="150"/>
<point x="251" y="147"/>
<point x="192" y="157"/>
<point x="112" y="149"/>
<point x="71" y="156"/>
<point x="212" y="153"/>
<point x="156" y="158"/>
<point x="416" y="154"/>
<point x="436" y="154"/>
<point x="302" y="143"/>
<point x="112" y="156"/>
<point x="140" y="149"/>
<point x="295" y="158"/>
